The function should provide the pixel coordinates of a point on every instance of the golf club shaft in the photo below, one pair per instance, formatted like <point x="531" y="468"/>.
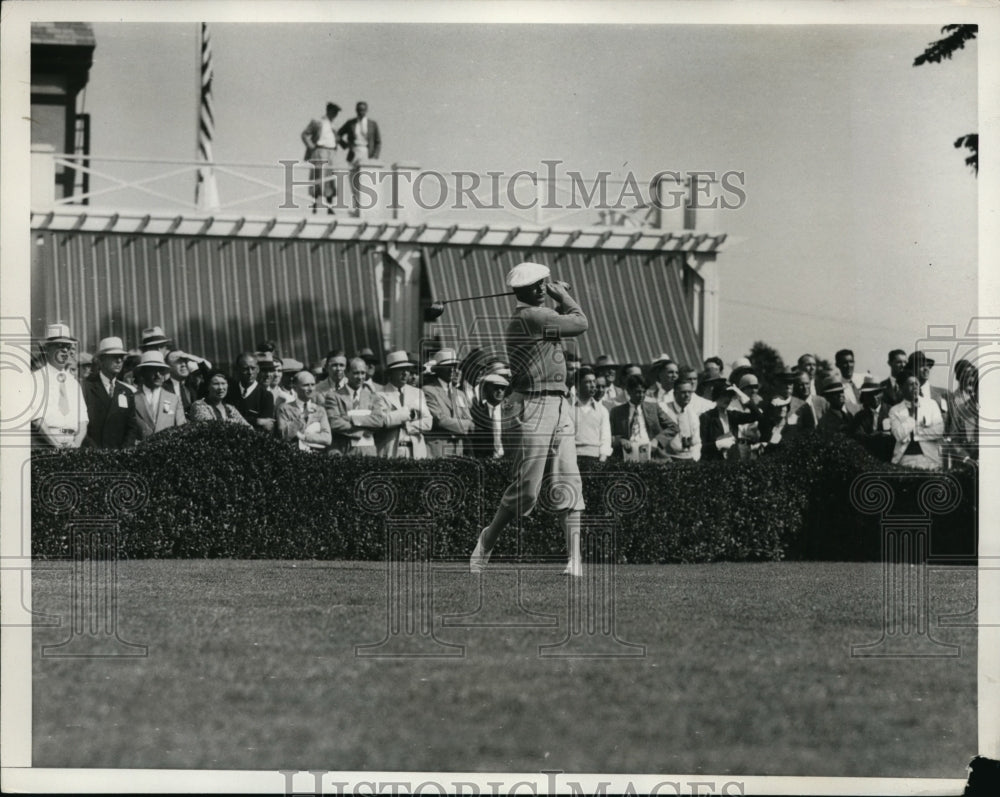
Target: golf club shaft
<point x="566" y="285"/>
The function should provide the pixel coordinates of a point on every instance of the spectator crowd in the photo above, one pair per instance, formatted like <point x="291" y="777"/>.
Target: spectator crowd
<point x="662" y="411"/>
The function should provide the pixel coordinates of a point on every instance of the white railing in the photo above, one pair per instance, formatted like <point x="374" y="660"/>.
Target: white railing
<point x="399" y="192"/>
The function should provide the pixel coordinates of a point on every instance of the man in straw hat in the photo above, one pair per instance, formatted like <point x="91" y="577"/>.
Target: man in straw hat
<point x="407" y="416"/>
<point x="538" y="408"/>
<point x="60" y="420"/>
<point x="870" y="425"/>
<point x="110" y="401"/>
<point x="449" y="407"/>
<point x="156" y="408"/>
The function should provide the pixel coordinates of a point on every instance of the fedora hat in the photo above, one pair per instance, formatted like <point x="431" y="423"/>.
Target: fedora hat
<point x="153" y="336"/>
<point x="111" y="346"/>
<point x="152" y="359"/>
<point x="831" y="385"/>
<point x="291" y="364"/>
<point x="85" y="358"/>
<point x="918" y="360"/>
<point x="870" y="386"/>
<point x="367" y="355"/>
<point x="445" y="357"/>
<point x="495" y="379"/>
<point x="57" y="333"/>
<point x="788" y="375"/>
<point x="265" y="361"/>
<point x="398" y="359"/>
<point x="662" y="358"/>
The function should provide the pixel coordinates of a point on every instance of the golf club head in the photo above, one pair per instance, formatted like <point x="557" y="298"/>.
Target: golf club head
<point x="433" y="312"/>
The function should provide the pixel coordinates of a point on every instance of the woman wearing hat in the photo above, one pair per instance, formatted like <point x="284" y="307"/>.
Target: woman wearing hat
<point x="213" y="407"/>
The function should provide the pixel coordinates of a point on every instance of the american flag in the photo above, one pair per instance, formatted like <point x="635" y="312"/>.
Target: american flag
<point x="206" y="192"/>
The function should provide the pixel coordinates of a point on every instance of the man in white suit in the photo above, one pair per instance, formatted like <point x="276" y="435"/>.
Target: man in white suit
<point x="407" y="416"/>
<point x="918" y="427"/>
<point x="156" y="408"/>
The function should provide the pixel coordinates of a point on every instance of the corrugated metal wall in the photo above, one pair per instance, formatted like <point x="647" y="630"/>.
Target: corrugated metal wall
<point x="636" y="303"/>
<point x="216" y="297"/>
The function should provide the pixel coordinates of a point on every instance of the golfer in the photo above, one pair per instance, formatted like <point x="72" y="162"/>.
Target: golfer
<point x="538" y="411"/>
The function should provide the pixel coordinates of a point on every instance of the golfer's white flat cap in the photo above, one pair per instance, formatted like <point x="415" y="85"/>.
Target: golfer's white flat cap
<point x="527" y="274"/>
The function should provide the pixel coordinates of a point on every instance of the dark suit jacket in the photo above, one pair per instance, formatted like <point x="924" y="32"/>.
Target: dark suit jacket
<point x="111" y="425"/>
<point x="187" y="395"/>
<point x="348" y="138"/>
<point x="259" y="404"/>
<point x="712" y="429"/>
<point x="867" y="428"/>
<point x="891" y="394"/>
<point x="659" y="426"/>
<point x="479" y="442"/>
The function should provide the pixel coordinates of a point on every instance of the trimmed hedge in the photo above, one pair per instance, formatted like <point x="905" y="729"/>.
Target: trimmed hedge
<point x="219" y="490"/>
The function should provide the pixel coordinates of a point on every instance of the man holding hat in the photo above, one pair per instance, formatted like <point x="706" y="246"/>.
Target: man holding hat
<point x="449" y="408"/>
<point x="156" y="409"/>
<point x="110" y="402"/>
<point x="407" y="416"/>
<point x="537" y="406"/>
<point x="61" y="418"/>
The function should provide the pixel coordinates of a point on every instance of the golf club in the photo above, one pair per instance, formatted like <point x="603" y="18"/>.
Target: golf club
<point x="436" y="309"/>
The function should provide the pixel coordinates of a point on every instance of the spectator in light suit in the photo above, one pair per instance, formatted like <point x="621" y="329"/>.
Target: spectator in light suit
<point x="917" y="427"/>
<point x="686" y="444"/>
<point x="406" y="413"/>
<point x="301" y="420"/>
<point x="355" y="412"/>
<point x="449" y="408"/>
<point x="593" y="422"/>
<point x="155" y="408"/>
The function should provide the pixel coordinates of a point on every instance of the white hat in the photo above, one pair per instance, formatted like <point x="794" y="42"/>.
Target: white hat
<point x="290" y="364"/>
<point x="398" y="359"/>
<point x="527" y="274"/>
<point x="445" y="357"/>
<point x="153" y="336"/>
<point x="57" y="333"/>
<point x="152" y="359"/>
<point x="663" y="358"/>
<point x="740" y="362"/>
<point x="495" y="379"/>
<point x="111" y="346"/>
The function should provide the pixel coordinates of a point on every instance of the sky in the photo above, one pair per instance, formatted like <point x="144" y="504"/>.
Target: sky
<point x="860" y="225"/>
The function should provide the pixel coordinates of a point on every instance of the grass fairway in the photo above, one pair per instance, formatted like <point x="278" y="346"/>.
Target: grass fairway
<point x="252" y="665"/>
